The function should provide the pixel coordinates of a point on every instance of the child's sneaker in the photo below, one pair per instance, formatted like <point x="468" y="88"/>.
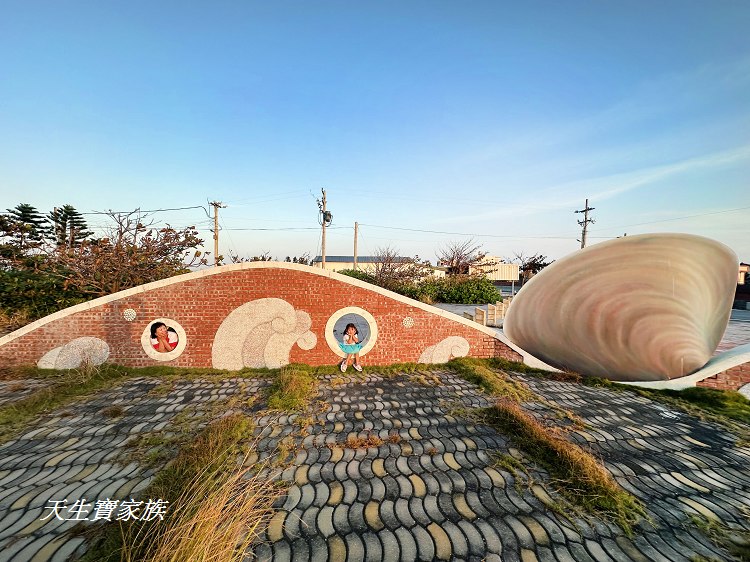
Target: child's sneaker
<point x="343" y="366"/>
<point x="358" y="367"/>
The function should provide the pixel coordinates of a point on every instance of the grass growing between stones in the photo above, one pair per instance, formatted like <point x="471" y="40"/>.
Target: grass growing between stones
<point x="495" y="383"/>
<point x="486" y="374"/>
<point x="215" y="510"/>
<point x="735" y="540"/>
<point x="579" y="476"/>
<point x="725" y="407"/>
<point x="65" y="388"/>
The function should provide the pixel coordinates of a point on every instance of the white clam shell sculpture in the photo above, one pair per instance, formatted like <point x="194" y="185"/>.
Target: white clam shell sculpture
<point x="639" y="308"/>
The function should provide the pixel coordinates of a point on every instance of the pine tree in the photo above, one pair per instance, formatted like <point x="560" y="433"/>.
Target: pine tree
<point x="25" y="224"/>
<point x="68" y="226"/>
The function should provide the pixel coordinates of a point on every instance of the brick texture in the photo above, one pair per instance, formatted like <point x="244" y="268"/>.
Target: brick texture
<point x="200" y="304"/>
<point x="731" y="379"/>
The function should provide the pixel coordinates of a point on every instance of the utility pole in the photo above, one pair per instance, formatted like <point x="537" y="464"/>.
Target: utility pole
<point x="584" y="223"/>
<point x="356" y="227"/>
<point x="216" y="205"/>
<point x="326" y="218"/>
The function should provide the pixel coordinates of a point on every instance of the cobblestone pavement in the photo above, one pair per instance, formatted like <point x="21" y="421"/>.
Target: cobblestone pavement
<point x="738" y="331"/>
<point x="435" y="492"/>
<point x="431" y="491"/>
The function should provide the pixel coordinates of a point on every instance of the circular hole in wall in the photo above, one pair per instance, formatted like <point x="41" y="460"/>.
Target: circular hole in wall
<point x="363" y="321"/>
<point x="163" y="339"/>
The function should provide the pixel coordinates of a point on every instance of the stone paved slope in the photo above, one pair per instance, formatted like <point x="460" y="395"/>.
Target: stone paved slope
<point x="437" y="494"/>
<point x="432" y="490"/>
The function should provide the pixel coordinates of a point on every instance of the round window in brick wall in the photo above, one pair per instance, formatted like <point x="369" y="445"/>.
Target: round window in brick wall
<point x="364" y="324"/>
<point x="163" y="339"/>
<point x="408" y="322"/>
<point x="129" y="314"/>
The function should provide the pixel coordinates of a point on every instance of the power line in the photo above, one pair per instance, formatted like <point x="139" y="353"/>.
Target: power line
<point x="148" y="211"/>
<point x="462" y="233"/>
<point x="678" y="218"/>
<point x="293" y="228"/>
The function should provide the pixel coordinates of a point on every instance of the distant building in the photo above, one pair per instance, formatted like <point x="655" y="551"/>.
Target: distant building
<point x="337" y="263"/>
<point x="742" y="275"/>
<point x="495" y="269"/>
<point x="491" y="266"/>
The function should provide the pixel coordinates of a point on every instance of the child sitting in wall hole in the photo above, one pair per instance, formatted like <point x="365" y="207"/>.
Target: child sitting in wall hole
<point x="351" y="346"/>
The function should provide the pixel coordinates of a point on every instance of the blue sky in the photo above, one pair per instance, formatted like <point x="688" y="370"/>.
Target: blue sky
<point x="496" y="118"/>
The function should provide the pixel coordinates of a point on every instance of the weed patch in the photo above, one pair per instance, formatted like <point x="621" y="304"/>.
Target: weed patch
<point x="365" y="442"/>
<point x="578" y="475"/>
<point x="292" y="390"/>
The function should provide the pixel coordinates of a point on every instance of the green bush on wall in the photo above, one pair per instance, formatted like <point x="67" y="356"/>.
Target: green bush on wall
<point x="456" y="289"/>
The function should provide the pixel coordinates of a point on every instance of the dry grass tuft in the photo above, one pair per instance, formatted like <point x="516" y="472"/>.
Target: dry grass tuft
<point x="576" y="472"/>
<point x="217" y="506"/>
<point x="113" y="412"/>
<point x="359" y="442"/>
<point x="215" y="519"/>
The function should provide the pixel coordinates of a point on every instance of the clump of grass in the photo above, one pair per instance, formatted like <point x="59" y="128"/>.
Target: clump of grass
<point x="292" y="390"/>
<point x="510" y="463"/>
<point x="359" y="442"/>
<point x="113" y="412"/>
<point x="215" y="509"/>
<point x="735" y="540"/>
<point x="495" y="383"/>
<point x="578" y="474"/>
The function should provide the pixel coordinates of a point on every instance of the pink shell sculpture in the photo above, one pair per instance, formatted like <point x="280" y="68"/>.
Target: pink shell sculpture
<point x="639" y="308"/>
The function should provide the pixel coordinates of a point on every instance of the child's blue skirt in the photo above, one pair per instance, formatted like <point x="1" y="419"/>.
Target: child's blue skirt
<point x="350" y="347"/>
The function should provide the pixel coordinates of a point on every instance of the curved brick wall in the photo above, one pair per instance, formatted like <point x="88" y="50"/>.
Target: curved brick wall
<point x="199" y="302"/>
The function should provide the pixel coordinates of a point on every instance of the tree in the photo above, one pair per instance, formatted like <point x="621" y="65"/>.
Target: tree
<point x="25" y="224"/>
<point x="132" y="253"/>
<point x="530" y="265"/>
<point x="393" y="271"/>
<point x="68" y="226"/>
<point x="460" y="257"/>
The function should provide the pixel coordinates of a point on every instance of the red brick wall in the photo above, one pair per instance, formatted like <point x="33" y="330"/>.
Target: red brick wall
<point x="731" y="379"/>
<point x="200" y="304"/>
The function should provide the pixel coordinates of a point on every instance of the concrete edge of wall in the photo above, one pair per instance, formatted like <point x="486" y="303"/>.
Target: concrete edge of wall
<point x="718" y="364"/>
<point x="239" y="267"/>
<point x="528" y="358"/>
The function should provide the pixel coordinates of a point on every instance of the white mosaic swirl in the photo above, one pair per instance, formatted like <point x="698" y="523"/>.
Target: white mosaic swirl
<point x="445" y="350"/>
<point x="76" y="353"/>
<point x="261" y="333"/>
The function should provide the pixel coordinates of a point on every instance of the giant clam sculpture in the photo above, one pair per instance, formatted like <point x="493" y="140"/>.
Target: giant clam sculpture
<point x="638" y="308"/>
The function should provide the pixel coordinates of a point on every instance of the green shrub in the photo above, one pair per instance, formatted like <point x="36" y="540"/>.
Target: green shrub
<point x="454" y="289"/>
<point x="462" y="289"/>
<point x="357" y="274"/>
